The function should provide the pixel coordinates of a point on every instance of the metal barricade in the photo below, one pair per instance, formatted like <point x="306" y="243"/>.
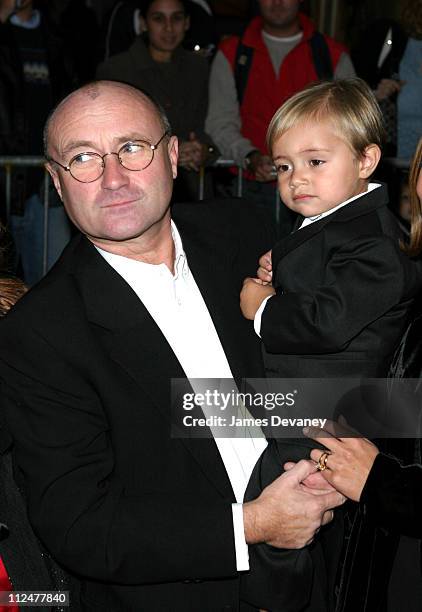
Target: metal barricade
<point x="8" y="162"/>
<point x="230" y="163"/>
<point x="222" y="163"/>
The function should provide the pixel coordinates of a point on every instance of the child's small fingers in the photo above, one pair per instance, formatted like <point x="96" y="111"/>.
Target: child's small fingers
<point x="265" y="261"/>
<point x="264" y="274"/>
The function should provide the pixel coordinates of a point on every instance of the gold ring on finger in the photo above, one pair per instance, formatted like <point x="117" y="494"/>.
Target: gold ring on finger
<point x="322" y="462"/>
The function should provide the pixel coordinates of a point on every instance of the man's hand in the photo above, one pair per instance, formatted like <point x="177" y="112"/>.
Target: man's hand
<point x="262" y="166"/>
<point x="254" y="291"/>
<point x="287" y="514"/>
<point x="265" y="270"/>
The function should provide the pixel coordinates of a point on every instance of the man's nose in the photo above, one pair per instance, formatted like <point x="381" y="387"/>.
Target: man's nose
<point x="168" y="25"/>
<point x="114" y="175"/>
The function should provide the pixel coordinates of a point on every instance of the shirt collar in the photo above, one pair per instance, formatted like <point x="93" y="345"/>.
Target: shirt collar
<point x="309" y="220"/>
<point x="180" y="260"/>
<point x="286" y="39"/>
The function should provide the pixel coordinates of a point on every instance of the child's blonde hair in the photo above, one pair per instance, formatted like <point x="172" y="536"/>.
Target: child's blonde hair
<point x="348" y="104"/>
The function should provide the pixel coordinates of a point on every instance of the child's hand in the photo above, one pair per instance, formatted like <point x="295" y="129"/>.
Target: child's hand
<point x="264" y="271"/>
<point x="254" y="291"/>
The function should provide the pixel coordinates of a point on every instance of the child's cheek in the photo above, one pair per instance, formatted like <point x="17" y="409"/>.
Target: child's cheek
<point x="284" y="190"/>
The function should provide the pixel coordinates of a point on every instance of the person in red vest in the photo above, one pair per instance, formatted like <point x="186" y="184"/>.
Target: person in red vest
<point x="279" y="53"/>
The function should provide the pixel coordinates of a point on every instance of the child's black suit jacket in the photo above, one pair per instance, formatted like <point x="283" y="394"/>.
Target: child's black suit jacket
<point x="343" y="292"/>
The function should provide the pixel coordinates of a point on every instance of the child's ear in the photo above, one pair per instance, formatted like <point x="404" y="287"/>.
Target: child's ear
<point x="369" y="161"/>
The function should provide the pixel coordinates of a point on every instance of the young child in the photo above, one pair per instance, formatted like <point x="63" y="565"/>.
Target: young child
<point x="337" y="306"/>
<point x="341" y="286"/>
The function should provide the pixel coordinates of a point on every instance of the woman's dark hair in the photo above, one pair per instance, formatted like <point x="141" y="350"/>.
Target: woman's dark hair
<point x="145" y="6"/>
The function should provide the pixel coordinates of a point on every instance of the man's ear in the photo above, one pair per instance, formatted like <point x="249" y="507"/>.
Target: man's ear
<point x="173" y="152"/>
<point x="369" y="161"/>
<point x="54" y="177"/>
<point x="187" y="23"/>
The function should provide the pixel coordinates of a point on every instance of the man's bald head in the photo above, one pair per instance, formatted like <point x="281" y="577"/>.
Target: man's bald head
<point x="122" y="206"/>
<point x="91" y="92"/>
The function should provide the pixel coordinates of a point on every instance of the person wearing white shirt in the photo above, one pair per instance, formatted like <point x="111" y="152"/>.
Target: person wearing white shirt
<point x="145" y="520"/>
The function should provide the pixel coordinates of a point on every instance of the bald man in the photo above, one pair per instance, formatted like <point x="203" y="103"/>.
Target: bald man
<point x="148" y="522"/>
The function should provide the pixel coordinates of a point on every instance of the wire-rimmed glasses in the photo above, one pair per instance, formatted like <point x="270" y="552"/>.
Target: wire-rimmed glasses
<point x="87" y="167"/>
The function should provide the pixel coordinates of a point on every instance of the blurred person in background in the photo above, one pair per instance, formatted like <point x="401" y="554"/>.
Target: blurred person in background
<point x="177" y="79"/>
<point x="34" y="74"/>
<point x="279" y="53"/>
<point x="376" y="58"/>
<point x="123" y="25"/>
<point x="409" y="114"/>
<point x="388" y="56"/>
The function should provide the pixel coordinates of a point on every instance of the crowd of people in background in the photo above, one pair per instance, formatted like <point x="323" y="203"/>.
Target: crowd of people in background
<point x="219" y="85"/>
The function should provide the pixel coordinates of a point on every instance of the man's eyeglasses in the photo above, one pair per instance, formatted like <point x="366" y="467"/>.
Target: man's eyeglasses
<point x="88" y="167"/>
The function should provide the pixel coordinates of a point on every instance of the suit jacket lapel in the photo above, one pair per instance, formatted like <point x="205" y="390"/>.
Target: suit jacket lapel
<point x="364" y="205"/>
<point x="296" y="238"/>
<point x="137" y="344"/>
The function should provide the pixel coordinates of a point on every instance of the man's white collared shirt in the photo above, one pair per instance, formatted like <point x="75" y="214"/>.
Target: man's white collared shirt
<point x="178" y="308"/>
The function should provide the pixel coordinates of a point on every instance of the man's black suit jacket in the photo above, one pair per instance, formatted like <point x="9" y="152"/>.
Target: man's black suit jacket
<point x="344" y="289"/>
<point x="144" y="519"/>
